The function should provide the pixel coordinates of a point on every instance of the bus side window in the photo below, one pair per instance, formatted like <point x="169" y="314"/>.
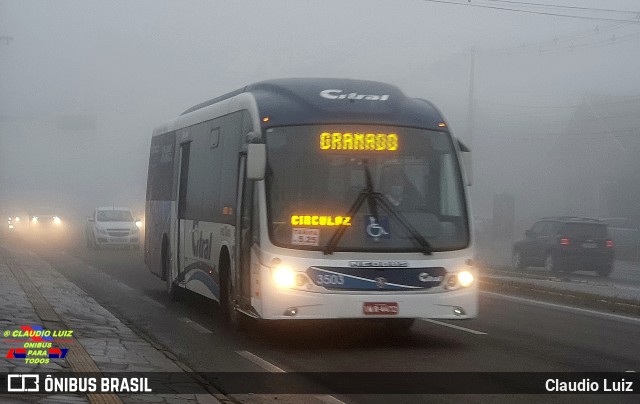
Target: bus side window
<point x="185" y="150"/>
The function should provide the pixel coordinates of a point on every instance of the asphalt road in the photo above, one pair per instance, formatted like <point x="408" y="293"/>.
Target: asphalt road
<point x="511" y="334"/>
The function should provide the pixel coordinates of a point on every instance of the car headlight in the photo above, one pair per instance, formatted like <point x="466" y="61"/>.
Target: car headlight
<point x="34" y="219"/>
<point x="57" y="220"/>
<point x="17" y="219"/>
<point x="138" y="223"/>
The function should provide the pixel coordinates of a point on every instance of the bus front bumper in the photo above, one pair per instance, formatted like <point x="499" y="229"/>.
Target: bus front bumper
<point x="282" y="304"/>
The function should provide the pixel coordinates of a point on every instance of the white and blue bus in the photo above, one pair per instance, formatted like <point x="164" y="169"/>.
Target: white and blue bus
<point x="313" y="199"/>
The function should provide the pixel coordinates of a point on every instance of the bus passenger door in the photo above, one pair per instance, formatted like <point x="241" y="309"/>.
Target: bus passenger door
<point x="244" y="238"/>
<point x="183" y="231"/>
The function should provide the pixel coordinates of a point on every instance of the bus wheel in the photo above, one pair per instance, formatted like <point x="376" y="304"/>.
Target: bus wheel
<point x="605" y="271"/>
<point x="227" y="300"/>
<point x="173" y="290"/>
<point x="231" y="314"/>
<point x="550" y="264"/>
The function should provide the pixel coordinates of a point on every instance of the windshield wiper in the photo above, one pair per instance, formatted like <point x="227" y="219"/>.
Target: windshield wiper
<point x="366" y="193"/>
<point x="415" y="234"/>
<point x="373" y="198"/>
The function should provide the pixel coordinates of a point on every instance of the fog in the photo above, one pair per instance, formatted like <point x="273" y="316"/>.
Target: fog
<point x="549" y="105"/>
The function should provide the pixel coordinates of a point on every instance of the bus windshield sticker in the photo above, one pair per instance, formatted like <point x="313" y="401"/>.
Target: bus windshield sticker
<point x="305" y="236"/>
<point x="377" y="229"/>
<point x="359" y="141"/>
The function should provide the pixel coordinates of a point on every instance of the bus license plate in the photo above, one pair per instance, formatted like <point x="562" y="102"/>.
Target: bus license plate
<point x="371" y="308"/>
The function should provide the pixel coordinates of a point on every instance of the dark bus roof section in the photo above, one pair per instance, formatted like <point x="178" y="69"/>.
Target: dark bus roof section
<point x="303" y="101"/>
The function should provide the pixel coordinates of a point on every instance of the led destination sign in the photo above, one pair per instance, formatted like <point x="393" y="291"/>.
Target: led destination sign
<point x="312" y="220"/>
<point x="359" y="141"/>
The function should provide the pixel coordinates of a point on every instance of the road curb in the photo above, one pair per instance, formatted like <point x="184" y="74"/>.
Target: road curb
<point x="557" y="295"/>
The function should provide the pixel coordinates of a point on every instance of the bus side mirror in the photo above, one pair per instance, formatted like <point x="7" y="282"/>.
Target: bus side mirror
<point x="466" y="161"/>
<point x="256" y="161"/>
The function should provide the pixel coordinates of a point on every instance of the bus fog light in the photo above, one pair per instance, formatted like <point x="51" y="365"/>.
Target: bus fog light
<point x="291" y="311"/>
<point x="465" y="278"/>
<point x="459" y="311"/>
<point x="283" y="276"/>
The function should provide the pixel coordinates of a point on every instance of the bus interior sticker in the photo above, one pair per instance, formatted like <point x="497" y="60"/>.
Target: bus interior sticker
<point x="305" y="236"/>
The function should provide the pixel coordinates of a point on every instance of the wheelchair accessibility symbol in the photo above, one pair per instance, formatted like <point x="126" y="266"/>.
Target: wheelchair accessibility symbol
<point x="377" y="229"/>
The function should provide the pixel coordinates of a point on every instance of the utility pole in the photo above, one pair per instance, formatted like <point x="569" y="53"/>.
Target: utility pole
<point x="471" y="107"/>
<point x="4" y="39"/>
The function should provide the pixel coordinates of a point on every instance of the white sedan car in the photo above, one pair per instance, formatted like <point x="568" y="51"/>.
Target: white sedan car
<point x="112" y="226"/>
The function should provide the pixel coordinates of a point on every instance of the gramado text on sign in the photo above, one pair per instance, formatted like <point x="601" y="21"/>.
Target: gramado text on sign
<point x="42" y="333"/>
<point x="359" y="141"/>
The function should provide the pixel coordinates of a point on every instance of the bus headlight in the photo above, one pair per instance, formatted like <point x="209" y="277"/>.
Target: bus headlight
<point x="283" y="276"/>
<point x="457" y="280"/>
<point x="465" y="278"/>
<point x="139" y="223"/>
<point x="34" y="219"/>
<point x="56" y="220"/>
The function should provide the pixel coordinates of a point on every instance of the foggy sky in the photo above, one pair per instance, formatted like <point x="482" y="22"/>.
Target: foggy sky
<point x="123" y="67"/>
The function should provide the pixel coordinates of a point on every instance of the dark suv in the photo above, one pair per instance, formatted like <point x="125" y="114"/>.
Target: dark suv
<point x="566" y="244"/>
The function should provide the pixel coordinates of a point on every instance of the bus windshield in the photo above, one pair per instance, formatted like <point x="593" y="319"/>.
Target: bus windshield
<point x="364" y="182"/>
<point x="114" y="216"/>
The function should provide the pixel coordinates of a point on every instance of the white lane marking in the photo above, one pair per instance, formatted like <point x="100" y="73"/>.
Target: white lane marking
<point x="457" y="327"/>
<point x="195" y="326"/>
<point x="330" y="400"/>
<point x="563" y="307"/>
<point x="260" y="362"/>
<point x="270" y="367"/>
